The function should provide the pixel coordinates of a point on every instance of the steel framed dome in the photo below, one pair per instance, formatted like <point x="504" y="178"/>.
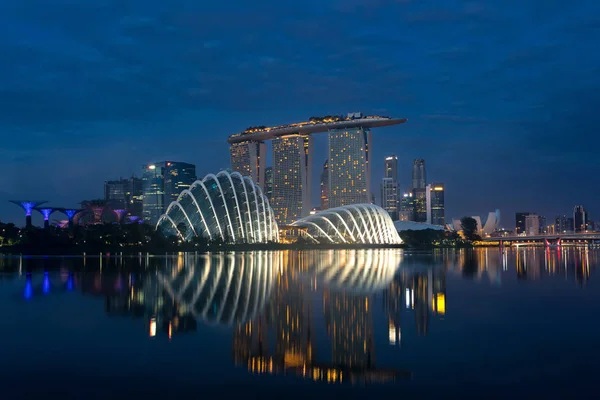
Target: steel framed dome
<point x="225" y="207"/>
<point x="357" y="223"/>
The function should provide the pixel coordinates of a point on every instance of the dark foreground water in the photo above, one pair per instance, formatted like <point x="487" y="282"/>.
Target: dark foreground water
<point x="357" y="324"/>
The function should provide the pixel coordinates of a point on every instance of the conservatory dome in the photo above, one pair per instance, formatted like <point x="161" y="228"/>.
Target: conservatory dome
<point x="225" y="207"/>
<point x="357" y="223"/>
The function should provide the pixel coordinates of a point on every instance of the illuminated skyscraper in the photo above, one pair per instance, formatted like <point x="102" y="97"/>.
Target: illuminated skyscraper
<point x="125" y="193"/>
<point x="349" y="166"/>
<point x="292" y="160"/>
<point x="389" y="187"/>
<point x="579" y="219"/>
<point x="419" y="174"/>
<point x="407" y="206"/>
<point x="420" y="202"/>
<point x="162" y="184"/>
<point x="325" y="186"/>
<point x="248" y="158"/>
<point x="435" y="204"/>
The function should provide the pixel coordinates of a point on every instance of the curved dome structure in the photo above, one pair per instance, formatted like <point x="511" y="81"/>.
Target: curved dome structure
<point x="223" y="289"/>
<point x="358" y="272"/>
<point x="225" y="207"/>
<point x="357" y="223"/>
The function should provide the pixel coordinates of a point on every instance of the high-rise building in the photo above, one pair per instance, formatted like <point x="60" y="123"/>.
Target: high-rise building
<point x="435" y="204"/>
<point x="563" y="224"/>
<point x="162" y="184"/>
<point x="390" y="196"/>
<point x="125" y="194"/>
<point x="268" y="183"/>
<point x="349" y="166"/>
<point x="249" y="158"/>
<point x="325" y="187"/>
<point x="419" y="174"/>
<point x="520" y="222"/>
<point x="543" y="225"/>
<point x="579" y="219"/>
<point x="407" y="206"/>
<point x="532" y="225"/>
<point x="420" y="202"/>
<point x="292" y="160"/>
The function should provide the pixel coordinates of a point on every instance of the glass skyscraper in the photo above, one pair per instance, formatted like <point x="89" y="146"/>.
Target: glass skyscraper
<point x="325" y="186"/>
<point x="162" y="184"/>
<point x="349" y="166"/>
<point x="292" y="160"/>
<point x="389" y="187"/>
<point x="125" y="194"/>
<point x="419" y="174"/>
<point x="435" y="204"/>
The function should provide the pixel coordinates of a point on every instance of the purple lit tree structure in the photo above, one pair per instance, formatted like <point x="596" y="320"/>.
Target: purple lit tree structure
<point x="70" y="213"/>
<point x="28" y="206"/>
<point x="96" y="209"/>
<point x="120" y="215"/>
<point x="46" y="212"/>
<point x="135" y="219"/>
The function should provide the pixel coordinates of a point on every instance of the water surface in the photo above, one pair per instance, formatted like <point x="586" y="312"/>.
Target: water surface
<point x="357" y="323"/>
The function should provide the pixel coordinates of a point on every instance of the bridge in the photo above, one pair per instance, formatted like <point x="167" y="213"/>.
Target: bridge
<point x="554" y="239"/>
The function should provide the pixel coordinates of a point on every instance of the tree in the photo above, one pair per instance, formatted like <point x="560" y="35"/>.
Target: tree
<point x="469" y="227"/>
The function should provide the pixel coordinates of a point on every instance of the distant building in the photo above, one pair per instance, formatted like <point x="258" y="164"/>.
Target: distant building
<point x="579" y="219"/>
<point x="325" y="187"/>
<point x="162" y="184"/>
<point x="543" y="225"/>
<point x="420" y="201"/>
<point x="435" y="204"/>
<point x="419" y="174"/>
<point x="407" y="206"/>
<point x="532" y="225"/>
<point x="520" y="222"/>
<point x="125" y="194"/>
<point x="268" y="183"/>
<point x="389" y="187"/>
<point x="563" y="224"/>
<point x="349" y="166"/>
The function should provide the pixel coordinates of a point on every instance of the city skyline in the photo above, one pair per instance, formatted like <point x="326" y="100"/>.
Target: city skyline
<point x="91" y="101"/>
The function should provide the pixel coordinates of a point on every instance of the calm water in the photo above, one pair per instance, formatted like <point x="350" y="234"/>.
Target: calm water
<point x="363" y="324"/>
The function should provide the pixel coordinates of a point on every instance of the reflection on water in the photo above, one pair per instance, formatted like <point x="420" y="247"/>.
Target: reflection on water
<point x="310" y="314"/>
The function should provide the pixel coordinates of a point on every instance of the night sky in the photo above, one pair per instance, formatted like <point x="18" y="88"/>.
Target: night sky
<point x="502" y="97"/>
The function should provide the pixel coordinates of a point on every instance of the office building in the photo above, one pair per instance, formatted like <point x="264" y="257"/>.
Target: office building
<point x="349" y="166"/>
<point x="435" y="204"/>
<point x="543" y="225"/>
<point x="419" y="174"/>
<point x="532" y="225"/>
<point x="579" y="219"/>
<point x="420" y="202"/>
<point x="407" y="206"/>
<point x="125" y="194"/>
<point x="520" y="222"/>
<point x="389" y="187"/>
<point x="162" y="183"/>
<point x="292" y="160"/>
<point x="325" y="187"/>
<point x="249" y="158"/>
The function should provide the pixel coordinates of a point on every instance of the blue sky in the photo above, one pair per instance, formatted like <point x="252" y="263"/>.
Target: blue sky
<point x="501" y="97"/>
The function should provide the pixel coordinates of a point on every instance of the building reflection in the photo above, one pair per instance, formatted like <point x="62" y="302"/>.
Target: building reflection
<point x="282" y="341"/>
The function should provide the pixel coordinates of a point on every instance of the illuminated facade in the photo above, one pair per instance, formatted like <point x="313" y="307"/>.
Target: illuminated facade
<point x="125" y="194"/>
<point x="292" y="159"/>
<point x="390" y="196"/>
<point x="162" y="183"/>
<point x="248" y="158"/>
<point x="359" y="223"/>
<point x="225" y="207"/>
<point x="349" y="166"/>
<point x="420" y="204"/>
<point x="268" y="191"/>
<point x="435" y="204"/>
